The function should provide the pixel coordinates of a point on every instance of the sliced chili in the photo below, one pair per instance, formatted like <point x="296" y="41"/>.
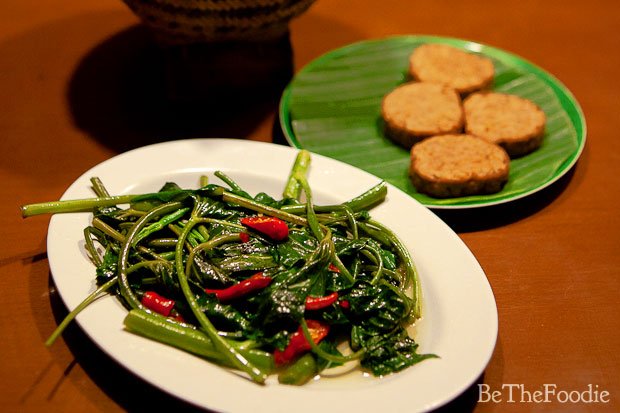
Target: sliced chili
<point x="244" y="237"/>
<point x="256" y="282"/>
<point x="298" y="344"/>
<point x="274" y="228"/>
<point x="157" y="303"/>
<point x="318" y="303"/>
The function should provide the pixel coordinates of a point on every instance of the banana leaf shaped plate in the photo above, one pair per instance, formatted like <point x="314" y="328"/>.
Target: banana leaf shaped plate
<point x="332" y="107"/>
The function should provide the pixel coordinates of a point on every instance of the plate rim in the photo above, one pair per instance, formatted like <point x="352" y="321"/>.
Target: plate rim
<point x="492" y="316"/>
<point x="566" y="99"/>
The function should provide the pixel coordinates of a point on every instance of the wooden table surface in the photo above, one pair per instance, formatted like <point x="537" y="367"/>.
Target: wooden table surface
<point x="78" y="87"/>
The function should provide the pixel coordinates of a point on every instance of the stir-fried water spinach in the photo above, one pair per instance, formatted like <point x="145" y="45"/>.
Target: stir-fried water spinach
<point x="254" y="283"/>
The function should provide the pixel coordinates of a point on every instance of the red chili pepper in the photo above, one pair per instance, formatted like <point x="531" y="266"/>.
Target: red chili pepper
<point x="256" y="282"/>
<point x="344" y="304"/>
<point x="177" y="316"/>
<point x="244" y="237"/>
<point x="333" y="268"/>
<point x="157" y="303"/>
<point x="317" y="303"/>
<point x="274" y="228"/>
<point x="298" y="343"/>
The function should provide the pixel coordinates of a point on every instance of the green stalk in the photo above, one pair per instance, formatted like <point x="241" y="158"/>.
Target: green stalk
<point x="147" y="264"/>
<point x="204" y="232"/>
<point x="228" y="181"/>
<point x="163" y="242"/>
<point x="88" y="204"/>
<point x="197" y="236"/>
<point x="76" y="205"/>
<point x="164" y="330"/>
<point x="117" y="236"/>
<point x="159" y="225"/>
<point x="87" y="301"/>
<point x="263" y="209"/>
<point x="90" y="246"/>
<point x="352" y="221"/>
<point x="379" y="261"/>
<point x="371" y="197"/>
<point x="222" y="239"/>
<point x="376" y="234"/>
<point x="293" y="188"/>
<point x="300" y="372"/>
<point x="313" y="222"/>
<point x="107" y="230"/>
<point x="98" y="187"/>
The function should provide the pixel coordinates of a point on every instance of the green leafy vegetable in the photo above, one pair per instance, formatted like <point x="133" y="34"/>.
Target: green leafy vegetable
<point x="240" y="278"/>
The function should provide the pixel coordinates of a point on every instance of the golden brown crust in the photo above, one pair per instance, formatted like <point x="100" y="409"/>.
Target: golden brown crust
<point x="416" y="110"/>
<point x="458" y="165"/>
<point x="439" y="63"/>
<point x="515" y="123"/>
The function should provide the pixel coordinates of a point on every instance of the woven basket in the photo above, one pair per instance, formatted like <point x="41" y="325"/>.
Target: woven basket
<point x="194" y="21"/>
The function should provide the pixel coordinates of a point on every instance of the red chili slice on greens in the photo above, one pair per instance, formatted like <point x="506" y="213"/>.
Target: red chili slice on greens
<point x="256" y="282"/>
<point x="274" y="228"/>
<point x="298" y="344"/>
<point x="157" y="303"/>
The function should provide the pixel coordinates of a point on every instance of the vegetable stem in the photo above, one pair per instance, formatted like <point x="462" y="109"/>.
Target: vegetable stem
<point x="170" y="332"/>
<point x="159" y="225"/>
<point x="98" y="187"/>
<point x="292" y="190"/>
<point x="300" y="372"/>
<point x="81" y="306"/>
<point x="313" y="222"/>
<point x="77" y="205"/>
<point x="263" y="209"/>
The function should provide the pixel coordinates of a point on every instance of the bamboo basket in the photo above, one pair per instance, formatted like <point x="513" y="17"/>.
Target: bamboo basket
<point x="200" y="21"/>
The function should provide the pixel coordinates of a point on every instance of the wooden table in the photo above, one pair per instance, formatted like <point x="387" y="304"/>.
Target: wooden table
<point x="77" y="88"/>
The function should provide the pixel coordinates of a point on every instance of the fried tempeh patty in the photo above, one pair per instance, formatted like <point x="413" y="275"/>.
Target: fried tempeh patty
<point x="440" y="63"/>
<point x="417" y="110"/>
<point x="457" y="165"/>
<point x="515" y="123"/>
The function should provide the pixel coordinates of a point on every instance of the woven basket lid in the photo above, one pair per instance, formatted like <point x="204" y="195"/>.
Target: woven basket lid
<point x="192" y="21"/>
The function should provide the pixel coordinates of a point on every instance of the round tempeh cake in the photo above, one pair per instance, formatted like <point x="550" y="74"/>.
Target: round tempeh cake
<point x="458" y="165"/>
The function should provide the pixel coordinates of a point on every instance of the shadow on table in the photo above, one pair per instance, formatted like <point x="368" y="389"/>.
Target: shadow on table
<point x="478" y="219"/>
<point x="128" y="91"/>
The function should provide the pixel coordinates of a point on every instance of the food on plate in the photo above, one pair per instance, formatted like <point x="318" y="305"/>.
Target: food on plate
<point x="457" y="165"/>
<point x="257" y="284"/>
<point x="417" y="110"/>
<point x="440" y="63"/>
<point x="515" y="123"/>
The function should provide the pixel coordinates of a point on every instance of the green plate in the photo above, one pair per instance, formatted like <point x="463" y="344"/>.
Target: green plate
<point x="332" y="107"/>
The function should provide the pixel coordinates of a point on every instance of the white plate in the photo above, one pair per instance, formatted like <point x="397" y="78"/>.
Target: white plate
<point x="460" y="315"/>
